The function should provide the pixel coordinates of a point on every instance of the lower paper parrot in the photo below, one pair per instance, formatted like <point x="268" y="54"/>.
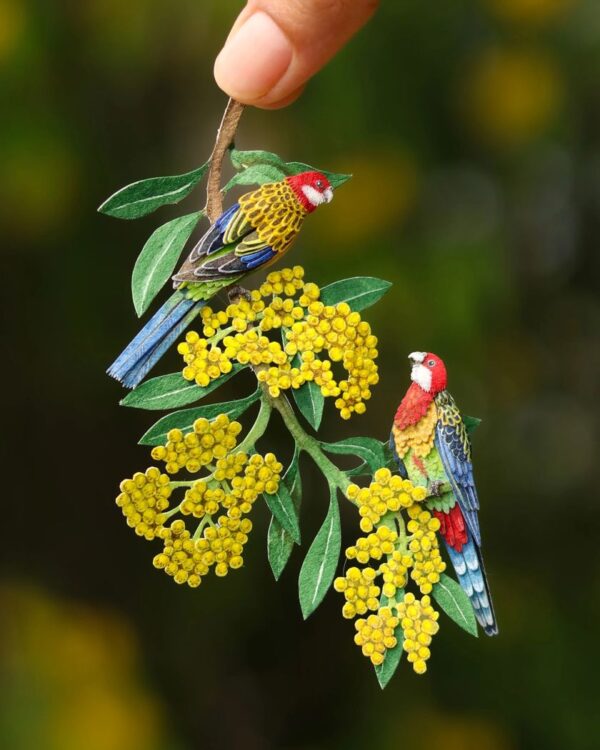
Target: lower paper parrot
<point x="431" y="445"/>
<point x="251" y="234"/>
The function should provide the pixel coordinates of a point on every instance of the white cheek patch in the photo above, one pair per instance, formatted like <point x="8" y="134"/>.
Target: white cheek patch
<point x="313" y="196"/>
<point x="421" y="375"/>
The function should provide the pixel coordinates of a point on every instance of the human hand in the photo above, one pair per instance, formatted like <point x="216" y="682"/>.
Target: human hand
<point x="275" y="46"/>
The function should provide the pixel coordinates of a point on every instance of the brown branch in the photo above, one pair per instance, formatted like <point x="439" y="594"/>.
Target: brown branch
<point x="225" y="137"/>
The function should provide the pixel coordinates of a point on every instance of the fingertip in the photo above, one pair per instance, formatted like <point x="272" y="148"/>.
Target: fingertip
<point x="254" y="59"/>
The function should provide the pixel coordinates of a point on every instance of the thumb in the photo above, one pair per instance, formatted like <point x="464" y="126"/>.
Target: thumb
<point x="275" y="46"/>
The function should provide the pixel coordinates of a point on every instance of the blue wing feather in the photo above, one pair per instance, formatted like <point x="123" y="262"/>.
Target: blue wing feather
<point x="401" y="465"/>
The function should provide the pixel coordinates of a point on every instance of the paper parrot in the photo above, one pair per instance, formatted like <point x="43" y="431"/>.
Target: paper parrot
<point x="254" y="232"/>
<point x="432" y="447"/>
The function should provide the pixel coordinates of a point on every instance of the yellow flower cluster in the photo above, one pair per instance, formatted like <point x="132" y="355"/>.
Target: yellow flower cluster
<point x="424" y="548"/>
<point x="401" y="547"/>
<point x="143" y="500"/>
<point x="220" y="500"/>
<point x="395" y="573"/>
<point x="386" y="493"/>
<point x="309" y="327"/>
<point x="376" y="634"/>
<point x="419" y="623"/>
<point x="206" y="442"/>
<point x="360" y="591"/>
<point x="374" y="546"/>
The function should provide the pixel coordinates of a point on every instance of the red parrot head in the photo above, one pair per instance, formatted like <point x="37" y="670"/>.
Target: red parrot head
<point x="428" y="372"/>
<point x="311" y="188"/>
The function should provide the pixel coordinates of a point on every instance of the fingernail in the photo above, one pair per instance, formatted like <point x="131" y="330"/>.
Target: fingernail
<point x="254" y="59"/>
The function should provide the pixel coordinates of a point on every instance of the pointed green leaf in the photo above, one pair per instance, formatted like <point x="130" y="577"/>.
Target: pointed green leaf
<point x="359" y="292"/>
<point x="471" y="423"/>
<point x="336" y="180"/>
<point x="385" y="671"/>
<point x="172" y="391"/>
<point x="369" y="449"/>
<point x="451" y="597"/>
<point x="284" y="509"/>
<point x="311" y="402"/>
<point x="184" y="419"/>
<point x="143" y="197"/>
<point x="279" y="542"/>
<point x="256" y="175"/>
<point x="156" y="263"/>
<point x="245" y="159"/>
<point x="320" y="563"/>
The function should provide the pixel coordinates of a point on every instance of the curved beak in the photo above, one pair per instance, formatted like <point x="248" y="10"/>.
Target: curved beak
<point x="416" y="358"/>
<point x="328" y="195"/>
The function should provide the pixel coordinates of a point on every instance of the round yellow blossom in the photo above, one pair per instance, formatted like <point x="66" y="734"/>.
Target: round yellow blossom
<point x="281" y="282"/>
<point x="203" y="362"/>
<point x="374" y="546"/>
<point x="281" y="378"/>
<point x="419" y="623"/>
<point x="424" y="548"/>
<point x="386" y="492"/>
<point x="143" y="500"/>
<point x="206" y="442"/>
<point x="376" y="634"/>
<point x="395" y="573"/>
<point x="180" y="557"/>
<point x="222" y="545"/>
<point x="360" y="591"/>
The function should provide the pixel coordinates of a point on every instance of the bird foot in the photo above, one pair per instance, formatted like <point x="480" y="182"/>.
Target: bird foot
<point x="435" y="488"/>
<point x="238" y="292"/>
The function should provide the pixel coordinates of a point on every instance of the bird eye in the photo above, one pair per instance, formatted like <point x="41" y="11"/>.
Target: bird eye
<point x="431" y="362"/>
<point x="319" y="184"/>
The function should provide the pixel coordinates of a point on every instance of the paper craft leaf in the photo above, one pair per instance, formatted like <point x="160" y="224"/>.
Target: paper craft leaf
<point x="369" y="449"/>
<point x="359" y="292"/>
<point x="143" y="197"/>
<point x="281" y="505"/>
<point x="471" y="423"/>
<point x="279" y="542"/>
<point x="256" y="175"/>
<point x="172" y="391"/>
<point x="311" y="402"/>
<point x="159" y="256"/>
<point x="248" y="159"/>
<point x="451" y="597"/>
<point x="385" y="671"/>
<point x="184" y="419"/>
<point x="245" y="159"/>
<point x="336" y="180"/>
<point x="320" y="563"/>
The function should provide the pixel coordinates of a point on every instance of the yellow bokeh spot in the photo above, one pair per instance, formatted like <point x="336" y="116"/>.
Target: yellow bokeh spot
<point x="510" y="96"/>
<point x="12" y="27"/>
<point x="529" y="12"/>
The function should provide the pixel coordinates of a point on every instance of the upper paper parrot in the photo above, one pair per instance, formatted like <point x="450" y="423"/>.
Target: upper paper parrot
<point x="432" y="447"/>
<point x="254" y="232"/>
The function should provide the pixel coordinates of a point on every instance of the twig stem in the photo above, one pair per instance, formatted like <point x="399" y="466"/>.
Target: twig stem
<point x="225" y="137"/>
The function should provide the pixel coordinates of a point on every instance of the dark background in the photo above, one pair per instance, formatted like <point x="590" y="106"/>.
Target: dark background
<point x="472" y="130"/>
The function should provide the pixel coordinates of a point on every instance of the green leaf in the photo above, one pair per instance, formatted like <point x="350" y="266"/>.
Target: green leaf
<point x="336" y="180"/>
<point x="369" y="449"/>
<point x="310" y="401"/>
<point x="156" y="263"/>
<point x="184" y="419"/>
<point x="359" y="292"/>
<point x="281" y="504"/>
<point x="471" y="423"/>
<point x="451" y="597"/>
<point x="143" y="197"/>
<point x="279" y="542"/>
<point x="385" y="671"/>
<point x="172" y="391"/>
<point x="256" y="175"/>
<point x="320" y="563"/>
<point x="245" y="159"/>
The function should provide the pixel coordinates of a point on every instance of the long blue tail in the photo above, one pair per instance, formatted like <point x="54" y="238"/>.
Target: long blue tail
<point x="471" y="576"/>
<point x="155" y="338"/>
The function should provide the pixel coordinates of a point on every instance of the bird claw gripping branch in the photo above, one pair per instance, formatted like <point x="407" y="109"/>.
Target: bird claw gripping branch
<point x="303" y="344"/>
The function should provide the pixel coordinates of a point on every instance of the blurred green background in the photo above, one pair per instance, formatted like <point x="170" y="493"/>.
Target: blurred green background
<point x="473" y="132"/>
